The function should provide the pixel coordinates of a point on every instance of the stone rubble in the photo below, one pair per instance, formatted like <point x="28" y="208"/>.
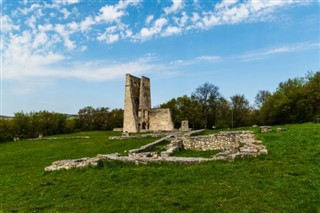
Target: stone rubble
<point x="265" y="128"/>
<point x="236" y="144"/>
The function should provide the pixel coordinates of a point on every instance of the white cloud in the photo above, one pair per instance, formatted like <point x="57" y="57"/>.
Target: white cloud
<point x="260" y="54"/>
<point x="22" y="58"/>
<point x="39" y="40"/>
<point x="113" y="13"/>
<point x="208" y="58"/>
<point x="65" y="34"/>
<point x="181" y="21"/>
<point x="172" y="30"/>
<point x="196" y="60"/>
<point x="174" y="20"/>
<point x="100" y="71"/>
<point x="110" y="13"/>
<point x="70" y="45"/>
<point x="159" y="23"/>
<point x="87" y="23"/>
<point x="149" y="19"/>
<point x="195" y="17"/>
<point x="73" y="26"/>
<point x="66" y="1"/>
<point x="108" y="38"/>
<point x="49" y="66"/>
<point x="65" y="13"/>
<point x="31" y="22"/>
<point x="176" y="6"/>
<point x="235" y="14"/>
<point x="7" y="24"/>
<point x="157" y="27"/>
<point x="46" y="27"/>
<point x="27" y="10"/>
<point x="225" y="3"/>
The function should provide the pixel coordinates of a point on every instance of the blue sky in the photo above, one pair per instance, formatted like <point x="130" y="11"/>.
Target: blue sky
<point x="64" y="55"/>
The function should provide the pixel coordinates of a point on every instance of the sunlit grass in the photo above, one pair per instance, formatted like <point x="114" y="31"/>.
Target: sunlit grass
<point x="285" y="180"/>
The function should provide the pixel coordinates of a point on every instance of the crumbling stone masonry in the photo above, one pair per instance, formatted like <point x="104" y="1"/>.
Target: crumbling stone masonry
<point x="184" y="126"/>
<point x="232" y="145"/>
<point x="138" y="115"/>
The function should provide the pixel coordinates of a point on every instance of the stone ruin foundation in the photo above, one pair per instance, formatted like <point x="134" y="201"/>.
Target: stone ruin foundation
<point x="232" y="145"/>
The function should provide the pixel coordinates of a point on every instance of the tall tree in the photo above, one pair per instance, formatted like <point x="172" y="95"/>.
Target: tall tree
<point x="287" y="105"/>
<point x="240" y="110"/>
<point x="312" y="90"/>
<point x="184" y="108"/>
<point x="261" y="98"/>
<point x="223" y="113"/>
<point x="86" y="118"/>
<point x="207" y="96"/>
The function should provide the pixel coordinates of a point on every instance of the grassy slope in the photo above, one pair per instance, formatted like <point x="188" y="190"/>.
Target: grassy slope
<point x="285" y="180"/>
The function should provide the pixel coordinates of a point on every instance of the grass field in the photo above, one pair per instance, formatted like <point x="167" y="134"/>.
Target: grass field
<point x="285" y="180"/>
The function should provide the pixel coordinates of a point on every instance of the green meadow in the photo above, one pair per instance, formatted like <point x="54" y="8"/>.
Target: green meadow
<point x="285" y="180"/>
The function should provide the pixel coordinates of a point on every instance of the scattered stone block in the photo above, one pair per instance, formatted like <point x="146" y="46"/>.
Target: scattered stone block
<point x="281" y="129"/>
<point x="265" y="128"/>
<point x="263" y="152"/>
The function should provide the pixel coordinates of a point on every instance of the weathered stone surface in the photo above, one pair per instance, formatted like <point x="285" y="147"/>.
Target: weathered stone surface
<point x="69" y="164"/>
<point x="160" y="120"/>
<point x="138" y="115"/>
<point x="184" y="126"/>
<point x="221" y="141"/>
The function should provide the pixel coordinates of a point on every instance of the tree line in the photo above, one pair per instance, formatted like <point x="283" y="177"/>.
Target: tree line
<point x="294" y="101"/>
<point x="44" y="123"/>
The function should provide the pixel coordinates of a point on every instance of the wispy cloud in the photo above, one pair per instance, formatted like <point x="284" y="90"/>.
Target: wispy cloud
<point x="109" y="24"/>
<point x="260" y="54"/>
<point x="176" y="6"/>
<point x="34" y="46"/>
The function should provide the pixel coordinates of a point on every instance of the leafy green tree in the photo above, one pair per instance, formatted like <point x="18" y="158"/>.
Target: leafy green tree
<point x="116" y="118"/>
<point x="223" y="113"/>
<point x="288" y="104"/>
<point x="185" y="108"/>
<point x="21" y="125"/>
<point x="99" y="118"/>
<point x="240" y="110"/>
<point x="312" y="90"/>
<point x="86" y="118"/>
<point x="261" y="98"/>
<point x="207" y="96"/>
<point x="5" y="130"/>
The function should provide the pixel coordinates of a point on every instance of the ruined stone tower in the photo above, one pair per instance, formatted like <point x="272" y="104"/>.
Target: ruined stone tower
<point x="138" y="115"/>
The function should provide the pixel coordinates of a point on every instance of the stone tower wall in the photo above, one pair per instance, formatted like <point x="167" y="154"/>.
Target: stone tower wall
<point x="160" y="120"/>
<point x="138" y="115"/>
<point x="131" y="105"/>
<point x="144" y="104"/>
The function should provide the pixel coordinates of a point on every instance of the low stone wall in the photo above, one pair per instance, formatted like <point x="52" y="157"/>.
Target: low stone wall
<point x="234" y="145"/>
<point x="148" y="146"/>
<point x="147" y="135"/>
<point x="220" y="141"/>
